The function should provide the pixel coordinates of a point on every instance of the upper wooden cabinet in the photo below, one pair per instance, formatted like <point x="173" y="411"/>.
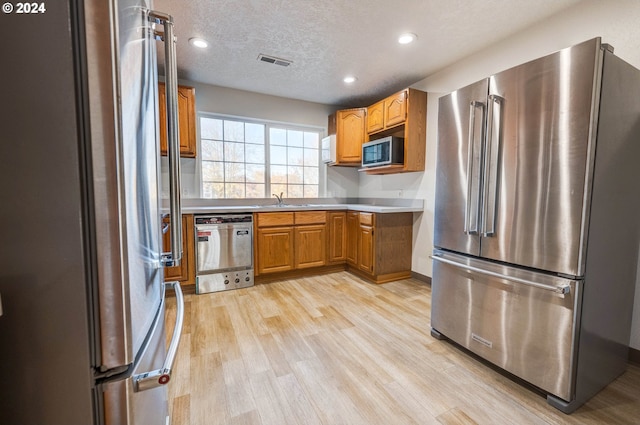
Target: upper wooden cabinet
<point x="186" y="118"/>
<point x="350" y="135"/>
<point x="403" y="114"/>
<point x="387" y="113"/>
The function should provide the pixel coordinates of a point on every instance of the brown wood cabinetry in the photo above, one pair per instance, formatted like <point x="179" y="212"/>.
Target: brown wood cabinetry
<point x="379" y="245"/>
<point x="275" y="249"/>
<point x="290" y="241"/>
<point x="353" y="228"/>
<point x="185" y="273"/>
<point x="186" y="118"/>
<point x="350" y="135"/>
<point x="403" y="114"/>
<point x="337" y="236"/>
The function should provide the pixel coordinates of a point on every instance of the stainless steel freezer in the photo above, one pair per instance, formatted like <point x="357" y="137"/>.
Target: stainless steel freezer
<point x="535" y="230"/>
<point x="82" y="326"/>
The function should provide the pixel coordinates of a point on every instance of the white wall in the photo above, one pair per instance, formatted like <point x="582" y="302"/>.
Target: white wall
<point x="240" y="103"/>
<point x="616" y="21"/>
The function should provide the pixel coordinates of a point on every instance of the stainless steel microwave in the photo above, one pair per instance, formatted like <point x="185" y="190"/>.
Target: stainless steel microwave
<point x="385" y="151"/>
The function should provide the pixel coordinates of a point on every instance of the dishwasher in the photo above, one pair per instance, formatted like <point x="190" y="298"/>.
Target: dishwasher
<point x="224" y="252"/>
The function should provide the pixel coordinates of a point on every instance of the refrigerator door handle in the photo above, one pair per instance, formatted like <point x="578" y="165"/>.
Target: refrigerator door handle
<point x="491" y="164"/>
<point x="471" y="227"/>
<point x="562" y="289"/>
<point x="155" y="378"/>
<point x="173" y="135"/>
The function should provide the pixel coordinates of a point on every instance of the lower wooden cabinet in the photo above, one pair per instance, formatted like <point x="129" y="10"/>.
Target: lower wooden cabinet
<point x="353" y="228"/>
<point x="185" y="273"/>
<point x="310" y="246"/>
<point x="379" y="245"/>
<point x="290" y="241"/>
<point x="275" y="249"/>
<point x="337" y="237"/>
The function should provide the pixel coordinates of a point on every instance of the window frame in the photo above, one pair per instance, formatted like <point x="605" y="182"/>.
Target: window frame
<point x="268" y="124"/>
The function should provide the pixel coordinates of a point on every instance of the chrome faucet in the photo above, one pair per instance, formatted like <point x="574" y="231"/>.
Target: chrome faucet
<point x="280" y="199"/>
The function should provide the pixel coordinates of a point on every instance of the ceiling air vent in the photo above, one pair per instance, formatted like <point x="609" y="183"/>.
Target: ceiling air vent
<point x="274" y="60"/>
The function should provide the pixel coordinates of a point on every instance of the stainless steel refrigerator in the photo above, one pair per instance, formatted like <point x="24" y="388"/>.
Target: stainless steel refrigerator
<point x="82" y="326"/>
<point x="536" y="220"/>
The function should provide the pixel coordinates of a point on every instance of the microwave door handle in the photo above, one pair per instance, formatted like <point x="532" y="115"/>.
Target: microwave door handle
<point x="173" y="135"/>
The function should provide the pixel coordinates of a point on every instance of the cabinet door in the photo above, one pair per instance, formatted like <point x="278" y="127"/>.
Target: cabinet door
<point x="275" y="249"/>
<point x="395" y="109"/>
<point x="366" y="249"/>
<point x="337" y="237"/>
<point x="186" y="117"/>
<point x="185" y="272"/>
<point x="353" y="228"/>
<point x="310" y="246"/>
<point x="375" y="117"/>
<point x="350" y="135"/>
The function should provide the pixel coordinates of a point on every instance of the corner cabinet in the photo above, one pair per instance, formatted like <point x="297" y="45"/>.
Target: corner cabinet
<point x="379" y="245"/>
<point x="351" y="133"/>
<point x="186" y="119"/>
<point x="185" y="273"/>
<point x="403" y="114"/>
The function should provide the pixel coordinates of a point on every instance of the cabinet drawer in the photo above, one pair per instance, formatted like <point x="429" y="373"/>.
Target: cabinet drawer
<point x="310" y="217"/>
<point x="366" y="219"/>
<point x="274" y="219"/>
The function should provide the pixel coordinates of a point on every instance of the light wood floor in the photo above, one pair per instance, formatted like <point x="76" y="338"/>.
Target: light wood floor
<point x="334" y="349"/>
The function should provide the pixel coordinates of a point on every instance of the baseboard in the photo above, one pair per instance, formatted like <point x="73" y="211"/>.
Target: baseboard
<point x="634" y="356"/>
<point x="421" y="277"/>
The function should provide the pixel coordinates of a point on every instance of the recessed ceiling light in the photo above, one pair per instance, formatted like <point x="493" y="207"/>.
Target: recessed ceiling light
<point x="350" y="79"/>
<point x="407" y="38"/>
<point x="198" y="42"/>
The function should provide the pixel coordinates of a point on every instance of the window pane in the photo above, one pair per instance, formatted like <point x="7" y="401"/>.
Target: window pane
<point x="295" y="156"/>
<point x="234" y="190"/>
<point x="310" y="191"/>
<point x="278" y="174"/>
<point x="234" y="172"/>
<point x="311" y="140"/>
<point x="212" y="150"/>
<point x="294" y="138"/>
<point x="278" y="136"/>
<point x="278" y="188"/>
<point x="213" y="190"/>
<point x="234" y="131"/>
<point x="255" y="173"/>
<point x="295" y="174"/>
<point x="278" y="155"/>
<point x="296" y="191"/>
<point x="234" y="152"/>
<point x="311" y="157"/>
<point x="210" y="128"/>
<point x="310" y="175"/>
<point x="254" y="133"/>
<point x="254" y="153"/>
<point x="255" y="190"/>
<point x="212" y="171"/>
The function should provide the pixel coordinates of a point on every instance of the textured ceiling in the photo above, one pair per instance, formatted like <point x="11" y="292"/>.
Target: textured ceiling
<point x="329" y="39"/>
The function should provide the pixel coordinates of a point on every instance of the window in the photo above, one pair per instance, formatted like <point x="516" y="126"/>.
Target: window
<point x="252" y="159"/>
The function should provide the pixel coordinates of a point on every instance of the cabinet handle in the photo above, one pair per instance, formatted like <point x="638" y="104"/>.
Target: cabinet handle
<point x="173" y="135"/>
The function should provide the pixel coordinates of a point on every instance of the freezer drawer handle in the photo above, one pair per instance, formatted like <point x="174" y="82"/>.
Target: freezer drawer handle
<point x="563" y="289"/>
<point x="155" y="378"/>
